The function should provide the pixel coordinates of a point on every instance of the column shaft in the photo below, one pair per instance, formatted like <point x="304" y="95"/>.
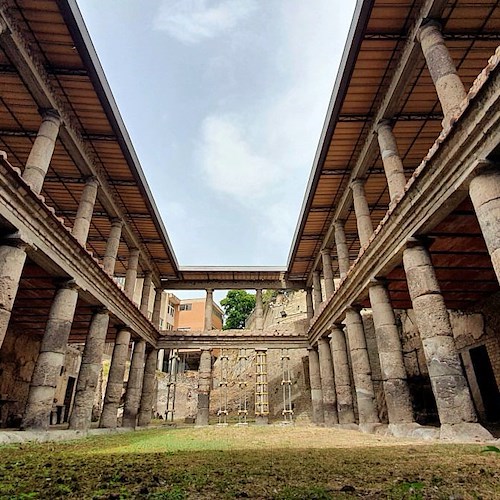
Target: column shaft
<point x="90" y="369"/>
<point x="114" y="388"/>
<point x="112" y="246"/>
<point x="318" y="416"/>
<point x="41" y="152"/>
<point x="327" y="273"/>
<point x="448" y="381"/>
<point x="342" y="249"/>
<point x="449" y="87"/>
<point x="131" y="276"/>
<point x="393" y="166"/>
<point x="157" y="308"/>
<point x="147" y="284"/>
<point x="259" y="310"/>
<point x="134" y="385"/>
<point x="317" y="297"/>
<point x="50" y="359"/>
<point x="396" y="390"/>
<point x="209" y="306"/>
<point x="327" y="382"/>
<point x="345" y="406"/>
<point x="12" y="258"/>
<point x="362" y="374"/>
<point x="148" y="389"/>
<point x="85" y="210"/>
<point x="363" y="219"/>
<point x="309" y="304"/>
<point x="484" y="192"/>
<point x="204" y="387"/>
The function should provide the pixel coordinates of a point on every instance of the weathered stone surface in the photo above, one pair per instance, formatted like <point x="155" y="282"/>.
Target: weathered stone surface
<point x="114" y="388"/>
<point x="204" y="387"/>
<point x="148" y="387"/>
<point x="317" y="297"/>
<point x="131" y="276"/>
<point x="134" y="385"/>
<point x="326" y="259"/>
<point x="85" y="209"/>
<point x="327" y="383"/>
<point x="112" y="246"/>
<point x="464" y="433"/>
<point x="432" y="316"/>
<point x="316" y="392"/>
<point x="342" y="249"/>
<point x="363" y="218"/>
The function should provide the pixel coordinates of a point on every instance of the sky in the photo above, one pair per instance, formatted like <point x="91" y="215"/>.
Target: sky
<point x="224" y="101"/>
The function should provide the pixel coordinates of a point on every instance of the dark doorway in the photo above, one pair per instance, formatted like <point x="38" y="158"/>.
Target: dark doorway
<point x="68" y="396"/>
<point x="486" y="382"/>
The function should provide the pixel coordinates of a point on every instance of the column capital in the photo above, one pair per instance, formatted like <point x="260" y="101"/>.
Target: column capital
<point x="354" y="307"/>
<point x="117" y="222"/>
<point x="69" y="284"/>
<point x="312" y="348"/>
<point x="133" y="251"/>
<point x="100" y="310"/>
<point x="209" y="290"/>
<point x="92" y="180"/>
<point x="377" y="281"/>
<point x="15" y="240"/>
<point x="427" y="26"/>
<point x="418" y="241"/>
<point x="385" y="123"/>
<point x="51" y="114"/>
<point x="357" y="183"/>
<point x="326" y="251"/>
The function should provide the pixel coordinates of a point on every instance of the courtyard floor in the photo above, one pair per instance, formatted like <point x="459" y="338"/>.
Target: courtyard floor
<point x="273" y="462"/>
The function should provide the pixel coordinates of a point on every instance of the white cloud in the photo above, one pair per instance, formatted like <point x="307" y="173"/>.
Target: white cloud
<point x="230" y="164"/>
<point x="191" y="21"/>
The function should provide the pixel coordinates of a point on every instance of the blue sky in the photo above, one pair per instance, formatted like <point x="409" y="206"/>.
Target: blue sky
<point x="224" y="101"/>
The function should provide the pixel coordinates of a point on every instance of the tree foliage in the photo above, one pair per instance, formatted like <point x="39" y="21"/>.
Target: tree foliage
<point x="237" y="305"/>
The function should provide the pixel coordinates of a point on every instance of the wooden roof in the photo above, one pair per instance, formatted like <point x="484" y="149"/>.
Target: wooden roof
<point x="376" y="42"/>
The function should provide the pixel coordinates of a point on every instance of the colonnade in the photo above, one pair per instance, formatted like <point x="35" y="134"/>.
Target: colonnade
<point x="344" y="344"/>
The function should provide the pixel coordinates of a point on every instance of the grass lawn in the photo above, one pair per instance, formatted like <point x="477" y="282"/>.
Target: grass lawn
<point x="254" y="462"/>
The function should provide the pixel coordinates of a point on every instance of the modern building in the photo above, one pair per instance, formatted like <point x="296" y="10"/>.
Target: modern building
<point x="397" y="245"/>
<point x="191" y="315"/>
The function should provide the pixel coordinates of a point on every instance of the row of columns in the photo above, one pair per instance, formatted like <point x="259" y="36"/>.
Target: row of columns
<point x="330" y="375"/>
<point x="62" y="310"/>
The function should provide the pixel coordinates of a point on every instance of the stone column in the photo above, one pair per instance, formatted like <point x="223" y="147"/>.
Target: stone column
<point x="484" y="192"/>
<point x="112" y="246"/>
<point x="309" y="304"/>
<point x="345" y="406"/>
<point x="209" y="306"/>
<point x="449" y="87"/>
<point x="90" y="369"/>
<point x="155" y="319"/>
<point x="363" y="219"/>
<point x="362" y="374"/>
<point x="41" y="152"/>
<point x="134" y="385"/>
<point x="448" y="381"/>
<point x="327" y="382"/>
<point x="342" y="249"/>
<point x="261" y="388"/>
<point x="85" y="210"/>
<point x="317" y="297"/>
<point x="396" y="390"/>
<point x="259" y="310"/>
<point x="327" y="273"/>
<point x="204" y="386"/>
<point x="318" y="416"/>
<point x="12" y="258"/>
<point x="148" y="388"/>
<point x="131" y="276"/>
<point x="51" y="358"/>
<point x="116" y="374"/>
<point x="393" y="166"/>
<point x="146" y="292"/>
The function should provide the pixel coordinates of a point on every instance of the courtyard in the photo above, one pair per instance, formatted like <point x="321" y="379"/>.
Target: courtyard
<point x="279" y="462"/>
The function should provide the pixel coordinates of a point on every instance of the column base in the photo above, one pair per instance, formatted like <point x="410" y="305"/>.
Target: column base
<point x="373" y="428"/>
<point x="413" y="430"/>
<point x="348" y="427"/>
<point x="465" y="432"/>
<point x="261" y="420"/>
<point x="202" y="418"/>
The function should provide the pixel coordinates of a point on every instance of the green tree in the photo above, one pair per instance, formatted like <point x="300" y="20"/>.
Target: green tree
<point x="237" y="305"/>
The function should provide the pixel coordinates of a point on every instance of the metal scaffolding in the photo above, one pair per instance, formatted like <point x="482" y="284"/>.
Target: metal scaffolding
<point x="223" y="412"/>
<point x="173" y="369"/>
<point x="286" y="384"/>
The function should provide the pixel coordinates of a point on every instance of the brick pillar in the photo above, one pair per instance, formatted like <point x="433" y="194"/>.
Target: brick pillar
<point x="131" y="276"/>
<point x="342" y="249"/>
<point x="484" y="192"/>
<point x="112" y="246"/>
<point x="209" y="306"/>
<point x="41" y="152"/>
<point x="85" y="209"/>
<point x="327" y="382"/>
<point x="327" y="273"/>
<point x="204" y="387"/>
<point x="51" y="358"/>
<point x="134" y="385"/>
<point x="315" y="382"/>
<point x="449" y="87"/>
<point x="114" y="388"/>
<point x="90" y="370"/>
<point x="12" y="258"/>
<point x="148" y="388"/>
<point x="362" y="374"/>
<point x="259" y="310"/>
<point x="342" y="375"/>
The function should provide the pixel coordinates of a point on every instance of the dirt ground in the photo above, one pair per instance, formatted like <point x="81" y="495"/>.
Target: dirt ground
<point x="273" y="462"/>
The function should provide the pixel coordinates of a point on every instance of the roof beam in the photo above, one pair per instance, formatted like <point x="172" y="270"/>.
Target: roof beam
<point x="387" y="110"/>
<point x="235" y="284"/>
